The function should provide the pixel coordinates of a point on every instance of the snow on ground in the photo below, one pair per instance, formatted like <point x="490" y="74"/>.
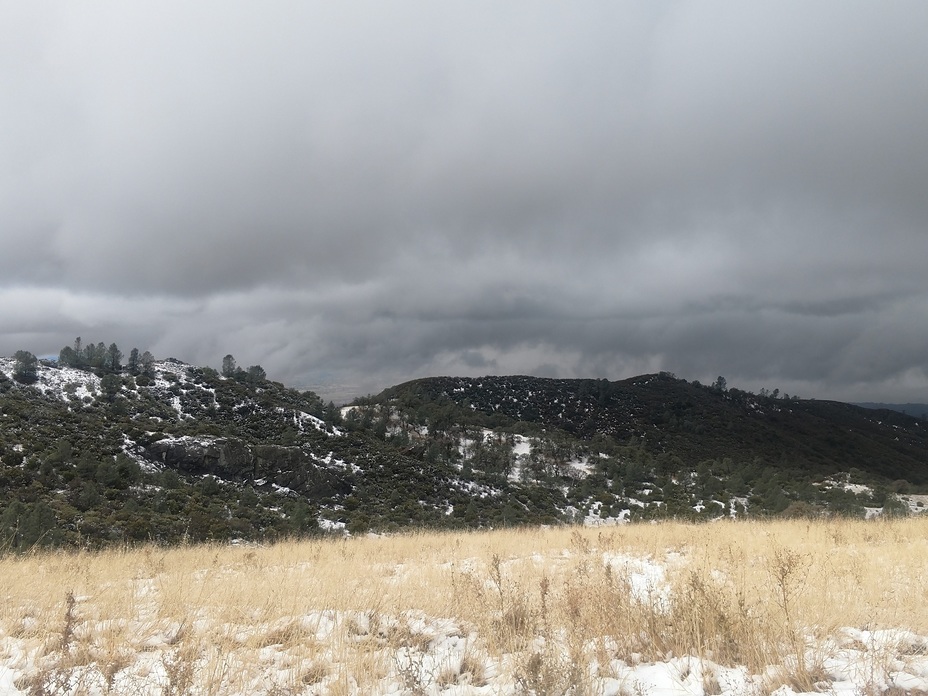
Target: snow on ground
<point x="416" y="654"/>
<point x="594" y="517"/>
<point x="916" y="503"/>
<point x="175" y="367"/>
<point x="330" y="461"/>
<point x="647" y="578"/>
<point x="303" y="419"/>
<point x="133" y="450"/>
<point x="202" y="441"/>
<point x="580" y="468"/>
<point x="66" y="383"/>
<point x="522" y="451"/>
<point x="523" y="446"/>
<point x="327" y="525"/>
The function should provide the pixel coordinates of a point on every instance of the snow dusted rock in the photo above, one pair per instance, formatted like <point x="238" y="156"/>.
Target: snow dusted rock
<point x="233" y="459"/>
<point x="205" y="455"/>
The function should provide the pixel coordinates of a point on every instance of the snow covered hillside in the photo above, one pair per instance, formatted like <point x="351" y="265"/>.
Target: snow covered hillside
<point x="175" y="452"/>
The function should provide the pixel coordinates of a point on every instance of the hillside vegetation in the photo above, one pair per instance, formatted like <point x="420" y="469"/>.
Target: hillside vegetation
<point x="93" y="453"/>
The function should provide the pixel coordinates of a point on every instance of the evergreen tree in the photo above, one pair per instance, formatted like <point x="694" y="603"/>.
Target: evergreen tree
<point x="256" y="374"/>
<point x="66" y="357"/>
<point x="99" y="355"/>
<point x="26" y="369"/>
<point x="93" y="356"/>
<point x="133" y="364"/>
<point x="113" y="358"/>
<point x="78" y="353"/>
<point x="147" y="364"/>
<point x="110" y="385"/>
<point x="228" y="366"/>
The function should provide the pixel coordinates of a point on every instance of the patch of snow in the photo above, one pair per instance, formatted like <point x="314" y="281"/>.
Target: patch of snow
<point x="199" y="440"/>
<point x="580" y="468"/>
<point x="917" y="503"/>
<point x="174" y="367"/>
<point x="331" y="462"/>
<point x="55" y="381"/>
<point x="330" y="525"/>
<point x="523" y="446"/>
<point x="647" y="578"/>
<point x="133" y="451"/>
<point x="475" y="489"/>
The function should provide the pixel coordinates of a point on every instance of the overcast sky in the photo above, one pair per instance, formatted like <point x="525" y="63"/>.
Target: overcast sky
<point x="355" y="194"/>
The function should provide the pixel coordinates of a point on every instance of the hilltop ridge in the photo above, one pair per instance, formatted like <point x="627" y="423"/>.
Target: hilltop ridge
<point x="696" y="422"/>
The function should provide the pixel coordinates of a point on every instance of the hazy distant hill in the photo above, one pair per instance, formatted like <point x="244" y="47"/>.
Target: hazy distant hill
<point x="917" y="410"/>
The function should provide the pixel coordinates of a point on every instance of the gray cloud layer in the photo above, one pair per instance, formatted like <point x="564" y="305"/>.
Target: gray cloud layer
<point x="361" y="193"/>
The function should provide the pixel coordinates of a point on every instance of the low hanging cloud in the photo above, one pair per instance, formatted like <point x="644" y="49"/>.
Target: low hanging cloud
<point x="354" y="195"/>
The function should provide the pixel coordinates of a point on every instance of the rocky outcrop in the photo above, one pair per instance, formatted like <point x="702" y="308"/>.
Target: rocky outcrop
<point x="233" y="459"/>
<point x="222" y="457"/>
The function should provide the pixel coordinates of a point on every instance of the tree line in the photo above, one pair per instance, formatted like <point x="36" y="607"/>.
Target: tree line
<point x="108" y="360"/>
<point x="253" y="375"/>
<point x="105" y="359"/>
<point x="96" y="357"/>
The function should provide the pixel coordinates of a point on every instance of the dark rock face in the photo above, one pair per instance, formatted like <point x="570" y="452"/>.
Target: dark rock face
<point x="285" y="466"/>
<point x="233" y="459"/>
<point x="227" y="458"/>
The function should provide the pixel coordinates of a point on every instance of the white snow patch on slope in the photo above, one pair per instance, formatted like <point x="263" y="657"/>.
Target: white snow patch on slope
<point x="523" y="446"/>
<point x="65" y="383"/>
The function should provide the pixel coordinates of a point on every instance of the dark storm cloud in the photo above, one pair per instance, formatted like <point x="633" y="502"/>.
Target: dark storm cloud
<point x="358" y="194"/>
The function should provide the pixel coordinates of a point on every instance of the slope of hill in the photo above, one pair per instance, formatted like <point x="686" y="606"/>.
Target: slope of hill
<point x="696" y="423"/>
<point x="188" y="454"/>
<point x="183" y="453"/>
<point x="656" y="445"/>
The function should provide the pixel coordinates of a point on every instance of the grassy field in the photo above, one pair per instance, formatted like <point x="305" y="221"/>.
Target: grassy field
<point x="726" y="607"/>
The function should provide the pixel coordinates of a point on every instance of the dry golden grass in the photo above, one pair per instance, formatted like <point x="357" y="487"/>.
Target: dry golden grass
<point x="545" y="606"/>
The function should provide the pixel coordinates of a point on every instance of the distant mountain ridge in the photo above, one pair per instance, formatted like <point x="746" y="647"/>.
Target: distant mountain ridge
<point x="917" y="410"/>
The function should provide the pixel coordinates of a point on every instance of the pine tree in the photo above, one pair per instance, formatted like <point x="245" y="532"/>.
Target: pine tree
<point x="133" y="364"/>
<point x="66" y="357"/>
<point x="99" y="355"/>
<point x="110" y="386"/>
<point x="147" y="364"/>
<point x="228" y="366"/>
<point x="78" y="353"/>
<point x="113" y="359"/>
<point x="26" y="369"/>
<point x="93" y="355"/>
